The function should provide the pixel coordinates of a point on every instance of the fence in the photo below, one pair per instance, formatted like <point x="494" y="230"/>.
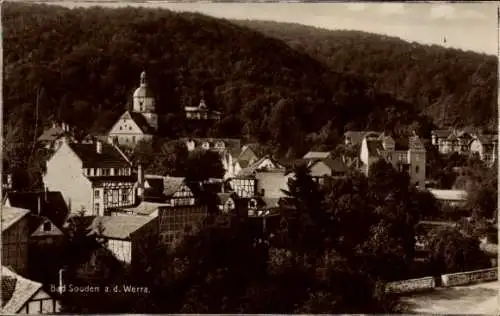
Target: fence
<point x="463" y="278"/>
<point x="411" y="285"/>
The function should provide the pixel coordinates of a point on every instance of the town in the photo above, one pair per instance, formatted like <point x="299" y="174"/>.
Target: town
<point x="117" y="217"/>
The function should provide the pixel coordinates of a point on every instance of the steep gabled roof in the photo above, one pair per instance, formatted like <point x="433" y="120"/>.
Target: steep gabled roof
<point x="52" y="204"/>
<point x="374" y="147"/>
<point x="20" y="291"/>
<point x="11" y="215"/>
<point x="441" y="133"/>
<point x="110" y="156"/>
<point x="140" y="120"/>
<point x="166" y="186"/>
<point x="336" y="164"/>
<point x="317" y="155"/>
<point x="51" y="134"/>
<point x="119" y="226"/>
<point x="356" y="137"/>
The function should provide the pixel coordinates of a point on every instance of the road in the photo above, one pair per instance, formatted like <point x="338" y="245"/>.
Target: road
<point x="480" y="298"/>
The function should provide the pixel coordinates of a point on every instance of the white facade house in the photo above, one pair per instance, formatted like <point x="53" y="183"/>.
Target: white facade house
<point x="91" y="175"/>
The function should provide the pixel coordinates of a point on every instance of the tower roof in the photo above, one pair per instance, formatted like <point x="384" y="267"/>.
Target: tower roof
<point x="143" y="90"/>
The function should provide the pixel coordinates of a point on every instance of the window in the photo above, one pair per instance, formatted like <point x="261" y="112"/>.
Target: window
<point x="417" y="169"/>
<point x="125" y="195"/>
<point x="121" y="128"/>
<point x="130" y="128"/>
<point x="97" y="194"/>
<point x="105" y="172"/>
<point x="47" y="227"/>
<point x="133" y="139"/>
<point x="96" y="208"/>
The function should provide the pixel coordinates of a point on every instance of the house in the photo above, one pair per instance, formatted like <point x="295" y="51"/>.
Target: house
<point x="47" y="204"/>
<point x="175" y="222"/>
<point x="141" y="122"/>
<point x="317" y="155"/>
<point x="92" y="175"/>
<point x="125" y="235"/>
<point x="15" y="235"/>
<point x="172" y="191"/>
<point x="201" y="112"/>
<point x="24" y="296"/>
<point x="485" y="146"/>
<point x="405" y="155"/>
<point x="265" y="177"/>
<point x="450" y="197"/>
<point x="228" y="149"/>
<point x="52" y="138"/>
<point x="452" y="141"/>
<point x="354" y="138"/>
<point x="329" y="167"/>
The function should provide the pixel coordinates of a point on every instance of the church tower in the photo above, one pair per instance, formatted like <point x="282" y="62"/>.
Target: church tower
<point x="144" y="102"/>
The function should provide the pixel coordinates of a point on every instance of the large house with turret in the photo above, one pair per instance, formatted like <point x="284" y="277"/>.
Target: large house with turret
<point x="140" y="122"/>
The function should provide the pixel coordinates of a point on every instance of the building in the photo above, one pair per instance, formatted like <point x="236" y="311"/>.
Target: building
<point x="23" y="296"/>
<point x="355" y="138"/>
<point x="175" y="222"/>
<point x="52" y="138"/>
<point x="46" y="204"/>
<point x="15" y="236"/>
<point x="92" y="175"/>
<point x="329" y="167"/>
<point x="125" y="235"/>
<point x="228" y="148"/>
<point x="450" y="197"/>
<point x="405" y="155"/>
<point x="485" y="146"/>
<point x="265" y="177"/>
<point x="317" y="155"/>
<point x="139" y="123"/>
<point x="172" y="191"/>
<point x="452" y="141"/>
<point x="201" y="112"/>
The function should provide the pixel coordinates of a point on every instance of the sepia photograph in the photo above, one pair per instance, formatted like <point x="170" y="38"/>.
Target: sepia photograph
<point x="239" y="157"/>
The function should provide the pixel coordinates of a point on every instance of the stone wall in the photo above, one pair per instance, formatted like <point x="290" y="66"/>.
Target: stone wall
<point x="469" y="277"/>
<point x="411" y="285"/>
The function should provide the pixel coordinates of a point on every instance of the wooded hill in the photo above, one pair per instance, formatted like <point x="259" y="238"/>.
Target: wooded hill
<point x="454" y="87"/>
<point x="84" y="64"/>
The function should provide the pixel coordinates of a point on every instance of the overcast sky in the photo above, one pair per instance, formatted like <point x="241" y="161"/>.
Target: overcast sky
<point x="468" y="26"/>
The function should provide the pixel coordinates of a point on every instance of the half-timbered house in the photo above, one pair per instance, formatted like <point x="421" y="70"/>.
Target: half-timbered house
<point x="91" y="175"/>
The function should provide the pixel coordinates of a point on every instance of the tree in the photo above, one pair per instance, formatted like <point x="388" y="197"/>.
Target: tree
<point x="305" y="224"/>
<point x="451" y="251"/>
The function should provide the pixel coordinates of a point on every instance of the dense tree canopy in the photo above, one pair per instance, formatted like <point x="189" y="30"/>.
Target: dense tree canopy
<point x="453" y="87"/>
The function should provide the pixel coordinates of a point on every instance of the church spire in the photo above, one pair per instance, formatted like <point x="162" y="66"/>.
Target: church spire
<point x="143" y="79"/>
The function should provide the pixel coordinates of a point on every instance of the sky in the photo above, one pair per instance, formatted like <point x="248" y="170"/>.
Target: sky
<point x="467" y="26"/>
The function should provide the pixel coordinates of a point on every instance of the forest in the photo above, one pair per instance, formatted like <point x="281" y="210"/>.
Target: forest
<point x="453" y="87"/>
<point x="81" y="65"/>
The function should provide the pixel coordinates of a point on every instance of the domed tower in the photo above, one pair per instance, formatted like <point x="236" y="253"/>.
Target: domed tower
<point x="144" y="102"/>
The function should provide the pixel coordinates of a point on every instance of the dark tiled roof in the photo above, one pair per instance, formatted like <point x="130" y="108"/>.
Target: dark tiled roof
<point x="37" y="221"/>
<point x="142" y="123"/>
<point x="441" y="133"/>
<point x="488" y="139"/>
<point x="52" y="204"/>
<point x="163" y="186"/>
<point x="374" y="146"/>
<point x="336" y="164"/>
<point x="401" y="143"/>
<point x="119" y="226"/>
<point x="8" y="288"/>
<point x="356" y="137"/>
<point x="23" y="291"/>
<point x="52" y="134"/>
<point x="110" y="157"/>
<point x="223" y="197"/>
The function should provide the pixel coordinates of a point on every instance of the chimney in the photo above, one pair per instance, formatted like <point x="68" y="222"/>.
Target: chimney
<point x="98" y="147"/>
<point x="46" y="194"/>
<point x="140" y="180"/>
<point x="39" y="204"/>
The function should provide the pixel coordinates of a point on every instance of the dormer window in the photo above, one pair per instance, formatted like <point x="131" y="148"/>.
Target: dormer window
<point x="220" y="145"/>
<point x="47" y="227"/>
<point x="252" y="204"/>
<point x="206" y="145"/>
